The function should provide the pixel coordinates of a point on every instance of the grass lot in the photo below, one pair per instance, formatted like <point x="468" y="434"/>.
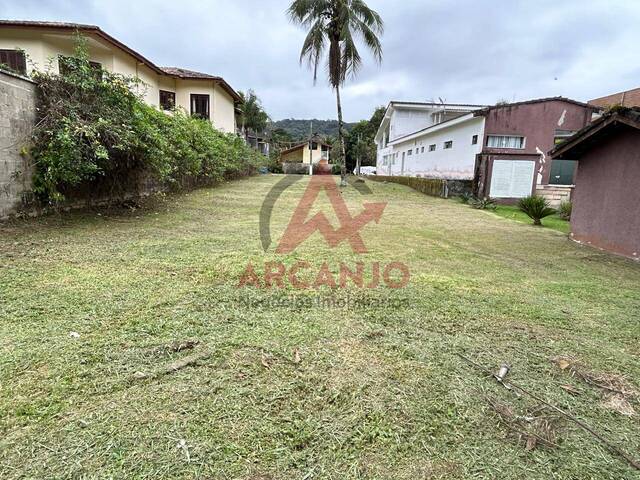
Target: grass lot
<point x="297" y="391"/>
<point x="514" y="213"/>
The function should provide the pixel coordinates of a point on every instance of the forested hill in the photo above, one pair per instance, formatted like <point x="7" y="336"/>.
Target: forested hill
<point x="300" y="129"/>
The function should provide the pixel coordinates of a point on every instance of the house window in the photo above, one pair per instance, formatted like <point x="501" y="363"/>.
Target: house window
<point x="422" y="150"/>
<point x="562" y="172"/>
<point x="167" y="100"/>
<point x="474" y="140"/>
<point x="14" y="60"/>
<point x="200" y="106"/>
<point x="448" y="144"/>
<point x="432" y="147"/>
<point x="505" y="141"/>
<point x="410" y="152"/>
<point x="562" y="136"/>
<point x="67" y="65"/>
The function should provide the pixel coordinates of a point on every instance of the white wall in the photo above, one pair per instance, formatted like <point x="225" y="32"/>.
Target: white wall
<point x="457" y="162"/>
<point x="404" y="122"/>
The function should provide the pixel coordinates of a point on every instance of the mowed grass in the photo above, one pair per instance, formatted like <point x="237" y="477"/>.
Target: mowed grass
<point x="295" y="390"/>
<point x="554" y="222"/>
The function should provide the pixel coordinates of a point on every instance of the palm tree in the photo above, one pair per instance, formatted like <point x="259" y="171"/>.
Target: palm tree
<point x="333" y="26"/>
<point x="252" y="115"/>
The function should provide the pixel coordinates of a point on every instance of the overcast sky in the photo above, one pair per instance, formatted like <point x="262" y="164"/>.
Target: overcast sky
<point x="463" y="51"/>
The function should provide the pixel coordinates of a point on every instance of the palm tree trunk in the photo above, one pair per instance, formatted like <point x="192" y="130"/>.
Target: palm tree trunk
<point x="343" y="155"/>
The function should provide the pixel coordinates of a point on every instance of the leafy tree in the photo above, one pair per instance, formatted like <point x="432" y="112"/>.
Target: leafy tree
<point x="252" y="115"/>
<point x="333" y="25"/>
<point x="360" y="144"/>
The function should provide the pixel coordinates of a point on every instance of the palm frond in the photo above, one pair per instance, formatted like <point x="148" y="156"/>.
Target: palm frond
<point x="313" y="47"/>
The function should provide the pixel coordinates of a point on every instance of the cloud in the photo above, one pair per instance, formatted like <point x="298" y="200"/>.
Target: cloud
<point x="468" y="51"/>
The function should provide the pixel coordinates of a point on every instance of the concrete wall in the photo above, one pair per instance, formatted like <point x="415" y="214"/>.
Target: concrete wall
<point x="606" y="196"/>
<point x="17" y="117"/>
<point x="454" y="163"/>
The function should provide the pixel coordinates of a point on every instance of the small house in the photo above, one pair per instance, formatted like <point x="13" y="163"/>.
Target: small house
<point x="606" y="197"/>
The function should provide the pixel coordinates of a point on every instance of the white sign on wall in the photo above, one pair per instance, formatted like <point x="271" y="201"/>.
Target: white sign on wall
<point x="512" y="178"/>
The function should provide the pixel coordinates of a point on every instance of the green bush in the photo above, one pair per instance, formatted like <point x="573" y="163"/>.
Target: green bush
<point x="485" y="203"/>
<point x="565" y="210"/>
<point x="93" y="128"/>
<point x="536" y="208"/>
<point x="466" y="198"/>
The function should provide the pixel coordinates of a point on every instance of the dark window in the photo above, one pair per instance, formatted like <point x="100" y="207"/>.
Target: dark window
<point x="14" y="60"/>
<point x="167" y="100"/>
<point x="432" y="147"/>
<point x="448" y="144"/>
<point x="562" y="172"/>
<point x="474" y="140"/>
<point x="410" y="152"/>
<point x="66" y="65"/>
<point x="200" y="106"/>
<point x="422" y="150"/>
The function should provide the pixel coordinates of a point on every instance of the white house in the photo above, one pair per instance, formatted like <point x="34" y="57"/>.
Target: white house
<point x="403" y="118"/>
<point x="445" y="150"/>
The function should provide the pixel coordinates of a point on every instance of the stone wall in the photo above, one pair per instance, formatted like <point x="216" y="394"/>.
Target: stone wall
<point x="436" y="187"/>
<point x="17" y="118"/>
<point x="555" y="194"/>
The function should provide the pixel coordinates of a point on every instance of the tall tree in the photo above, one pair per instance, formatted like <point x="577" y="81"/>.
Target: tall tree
<point x="333" y="26"/>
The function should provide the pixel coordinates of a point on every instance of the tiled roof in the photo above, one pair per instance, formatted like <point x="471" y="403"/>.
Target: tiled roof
<point x="171" y="71"/>
<point x="536" y="100"/>
<point x="628" y="98"/>
<point x="184" y="73"/>
<point x="584" y="139"/>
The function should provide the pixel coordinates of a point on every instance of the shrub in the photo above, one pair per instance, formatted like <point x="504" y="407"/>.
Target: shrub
<point x="536" y="208"/>
<point x="466" y="198"/>
<point x="93" y="129"/>
<point x="484" y="203"/>
<point x="565" y="210"/>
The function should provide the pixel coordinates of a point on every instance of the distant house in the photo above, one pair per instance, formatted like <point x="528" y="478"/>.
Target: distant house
<point x="606" y="199"/>
<point x="628" y="98"/>
<point x="502" y="148"/>
<point x="312" y="151"/>
<point x="404" y="118"/>
<point x="26" y="45"/>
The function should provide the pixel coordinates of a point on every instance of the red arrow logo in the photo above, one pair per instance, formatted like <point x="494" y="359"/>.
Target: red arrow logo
<point x="299" y="229"/>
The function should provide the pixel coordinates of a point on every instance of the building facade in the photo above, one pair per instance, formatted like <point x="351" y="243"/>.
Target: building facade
<point x="514" y="161"/>
<point x="405" y="118"/>
<point x="28" y="46"/>
<point x="503" y="148"/>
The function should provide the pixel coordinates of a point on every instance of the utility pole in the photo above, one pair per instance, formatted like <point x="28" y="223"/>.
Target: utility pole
<point x="358" y="156"/>
<point x="311" y="149"/>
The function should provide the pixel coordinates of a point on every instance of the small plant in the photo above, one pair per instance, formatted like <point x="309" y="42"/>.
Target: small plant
<point x="485" y="203"/>
<point x="466" y="198"/>
<point x="565" y="210"/>
<point x="536" y="208"/>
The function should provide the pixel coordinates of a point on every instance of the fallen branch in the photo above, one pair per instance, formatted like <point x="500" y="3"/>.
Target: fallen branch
<point x="174" y="366"/>
<point x="613" y="448"/>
